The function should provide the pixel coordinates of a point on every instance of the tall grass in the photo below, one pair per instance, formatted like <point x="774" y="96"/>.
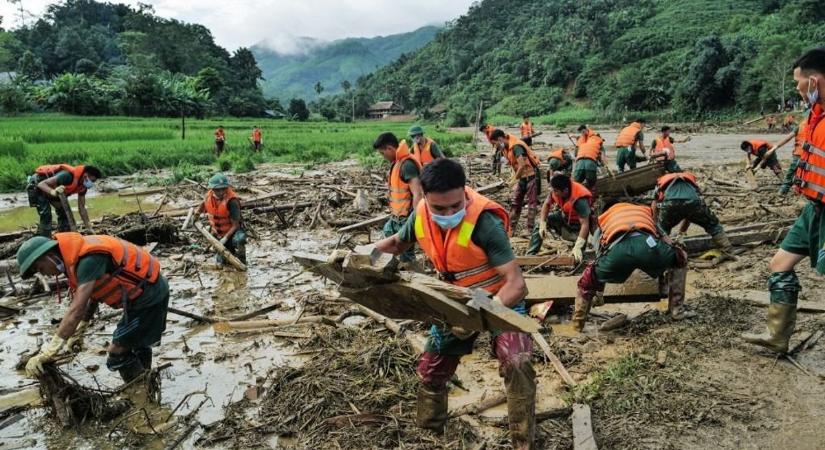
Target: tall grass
<point x="120" y="146"/>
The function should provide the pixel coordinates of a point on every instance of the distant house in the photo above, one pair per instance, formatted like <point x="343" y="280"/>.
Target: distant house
<point x="383" y="110"/>
<point x="439" y="110"/>
<point x="272" y="114"/>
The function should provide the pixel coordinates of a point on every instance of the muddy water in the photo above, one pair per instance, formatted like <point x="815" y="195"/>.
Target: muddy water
<point x="221" y="365"/>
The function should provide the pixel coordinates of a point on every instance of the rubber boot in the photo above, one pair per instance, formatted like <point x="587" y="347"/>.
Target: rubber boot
<point x="723" y="242"/>
<point x="677" y="279"/>
<point x="520" y="384"/>
<point x="126" y="364"/>
<point x="781" y="323"/>
<point x="432" y="408"/>
<point x="581" y="309"/>
<point x="535" y="242"/>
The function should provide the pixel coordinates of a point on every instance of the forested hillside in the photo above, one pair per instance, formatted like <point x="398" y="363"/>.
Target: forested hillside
<point x="696" y="57"/>
<point x="295" y="75"/>
<point x="86" y="57"/>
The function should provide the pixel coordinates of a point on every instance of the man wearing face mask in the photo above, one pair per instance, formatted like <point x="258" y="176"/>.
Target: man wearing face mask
<point x="101" y="269"/>
<point x="526" y="179"/>
<point x="404" y="185"/>
<point x="807" y="236"/>
<point x="464" y="234"/>
<point x="48" y="182"/>
<point x="425" y="150"/>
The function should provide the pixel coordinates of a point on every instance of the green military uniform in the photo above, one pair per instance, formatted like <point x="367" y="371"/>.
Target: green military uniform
<point x="636" y="250"/>
<point x="682" y="201"/>
<point x="586" y="172"/>
<point x="43" y="203"/>
<point x="626" y="156"/>
<point x="807" y="236"/>
<point x="557" y="222"/>
<point x="489" y="235"/>
<point x="409" y="171"/>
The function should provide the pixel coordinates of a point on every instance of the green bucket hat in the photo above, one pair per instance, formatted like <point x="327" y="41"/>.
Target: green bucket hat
<point x="218" y="181"/>
<point x="32" y="249"/>
<point x="415" y="130"/>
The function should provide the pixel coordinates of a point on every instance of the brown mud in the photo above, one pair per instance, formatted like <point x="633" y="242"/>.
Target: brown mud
<point x="347" y="382"/>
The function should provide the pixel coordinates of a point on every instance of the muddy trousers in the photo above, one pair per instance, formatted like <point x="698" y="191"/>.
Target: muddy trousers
<point x="789" y="174"/>
<point x="44" y="211"/>
<point x="558" y="223"/>
<point x="514" y="352"/>
<point x="130" y="363"/>
<point x="496" y="162"/>
<point x="672" y="212"/>
<point x="525" y="192"/>
<point x="236" y="246"/>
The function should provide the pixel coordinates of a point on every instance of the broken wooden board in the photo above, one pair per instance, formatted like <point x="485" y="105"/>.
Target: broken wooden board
<point x="763" y="298"/>
<point x="750" y="234"/>
<point x="22" y="398"/>
<point x="216" y="244"/>
<point x="64" y="203"/>
<point x="412" y="296"/>
<point x="562" y="289"/>
<point x="545" y="261"/>
<point x="633" y="182"/>
<point x="583" y="438"/>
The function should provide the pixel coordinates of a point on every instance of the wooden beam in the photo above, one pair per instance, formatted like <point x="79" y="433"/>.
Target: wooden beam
<point x="64" y="202"/>
<point x="633" y="182"/>
<point x="22" y="398"/>
<point x="750" y="234"/>
<point x="562" y="289"/>
<point x="227" y="327"/>
<point x="194" y="316"/>
<point x="134" y="193"/>
<point x="583" y="438"/>
<point x="216" y="244"/>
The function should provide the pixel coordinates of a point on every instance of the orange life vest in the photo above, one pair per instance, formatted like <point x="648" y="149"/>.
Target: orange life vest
<point x="756" y="145"/>
<point x="534" y="161"/>
<point x="626" y="217"/>
<point x="627" y="137"/>
<point x="219" y="135"/>
<point x="664" y="181"/>
<point x="810" y="173"/>
<point x="400" y="194"/>
<point x="455" y="256"/>
<point x="799" y="139"/>
<point x="663" y="144"/>
<point x="577" y="192"/>
<point x="135" y="266"/>
<point x="423" y="156"/>
<point x="218" y="211"/>
<point x="256" y="135"/>
<point x="526" y="129"/>
<point x="560" y="155"/>
<point x="76" y="187"/>
<point x="590" y="147"/>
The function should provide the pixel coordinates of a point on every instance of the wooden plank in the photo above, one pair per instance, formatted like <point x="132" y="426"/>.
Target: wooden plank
<point x="188" y="219"/>
<point x="190" y="315"/>
<point x="545" y="261"/>
<point x="216" y="244"/>
<point x="22" y="398"/>
<point x="554" y="360"/>
<point x="134" y="193"/>
<point x="64" y="202"/>
<point x="416" y="342"/>
<point x="765" y="233"/>
<point x="484" y="403"/>
<point x="633" y="182"/>
<point x="226" y="327"/>
<point x="562" y="289"/>
<point x="583" y="438"/>
<point x="763" y="298"/>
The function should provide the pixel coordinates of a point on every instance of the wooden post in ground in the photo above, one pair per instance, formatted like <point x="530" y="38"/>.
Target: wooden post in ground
<point x="216" y="244"/>
<point x="64" y="202"/>
<point x="583" y="438"/>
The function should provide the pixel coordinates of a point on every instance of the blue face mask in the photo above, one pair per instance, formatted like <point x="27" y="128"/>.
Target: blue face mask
<point x="451" y="221"/>
<point x="87" y="183"/>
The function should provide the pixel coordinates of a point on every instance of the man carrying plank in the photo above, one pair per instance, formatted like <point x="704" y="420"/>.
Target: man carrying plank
<point x="464" y="234"/>
<point x="629" y="138"/>
<point x="102" y="269"/>
<point x="807" y="236"/>
<point x="677" y="200"/>
<point x="763" y="157"/>
<point x="404" y="184"/>
<point x="46" y="185"/>
<point x="630" y="240"/>
<point x="223" y="207"/>
<point x="567" y="212"/>
<point x="589" y="155"/>
<point x="526" y="179"/>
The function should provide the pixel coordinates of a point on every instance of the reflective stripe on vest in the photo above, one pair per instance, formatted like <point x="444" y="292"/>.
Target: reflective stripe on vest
<point x="625" y="217"/>
<point x="665" y="180"/>
<point x="810" y="173"/>
<point x="135" y="266"/>
<point x="457" y="259"/>
<point x="218" y="211"/>
<point x="424" y="156"/>
<point x="399" y="191"/>
<point x="75" y="187"/>
<point x="577" y="191"/>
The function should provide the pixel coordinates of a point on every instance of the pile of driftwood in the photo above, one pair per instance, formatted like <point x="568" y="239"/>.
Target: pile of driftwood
<point x="72" y="404"/>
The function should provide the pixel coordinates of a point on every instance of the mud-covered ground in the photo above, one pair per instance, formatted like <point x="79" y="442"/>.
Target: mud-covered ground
<point x="344" y="381"/>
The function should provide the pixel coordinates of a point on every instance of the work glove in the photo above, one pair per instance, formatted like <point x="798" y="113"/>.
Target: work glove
<point x="578" y="249"/>
<point x="75" y="342"/>
<point x="543" y="229"/>
<point x="35" y="365"/>
<point x="58" y="190"/>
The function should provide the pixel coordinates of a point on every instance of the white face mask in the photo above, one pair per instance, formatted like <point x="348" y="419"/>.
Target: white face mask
<point x="813" y="95"/>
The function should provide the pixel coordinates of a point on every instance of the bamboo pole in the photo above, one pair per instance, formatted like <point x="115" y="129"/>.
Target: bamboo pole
<point x="216" y="244"/>
<point x="64" y="202"/>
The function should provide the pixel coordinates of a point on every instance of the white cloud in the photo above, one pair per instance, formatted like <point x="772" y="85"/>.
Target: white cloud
<point x="280" y="22"/>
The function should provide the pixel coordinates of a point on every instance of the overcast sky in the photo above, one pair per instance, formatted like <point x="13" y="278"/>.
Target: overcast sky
<point x="246" y="22"/>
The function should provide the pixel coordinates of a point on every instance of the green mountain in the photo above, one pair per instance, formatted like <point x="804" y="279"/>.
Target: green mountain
<point x="295" y="75"/>
<point x="694" y="57"/>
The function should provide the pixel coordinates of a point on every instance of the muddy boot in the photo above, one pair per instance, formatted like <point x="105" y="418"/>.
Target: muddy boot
<point x="432" y="408"/>
<point x="531" y="218"/>
<point x="598" y="300"/>
<point x="520" y="384"/>
<point x="781" y="322"/>
<point x="677" y="278"/>
<point x="723" y="242"/>
<point x="126" y="363"/>
<point x="581" y="309"/>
